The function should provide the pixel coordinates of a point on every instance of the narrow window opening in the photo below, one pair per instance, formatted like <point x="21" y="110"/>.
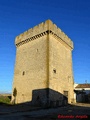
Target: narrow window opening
<point x="69" y="78"/>
<point x="23" y="73"/>
<point x="54" y="70"/>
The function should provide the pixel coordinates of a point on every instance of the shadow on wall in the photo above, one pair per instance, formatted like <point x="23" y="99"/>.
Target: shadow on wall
<point x="46" y="98"/>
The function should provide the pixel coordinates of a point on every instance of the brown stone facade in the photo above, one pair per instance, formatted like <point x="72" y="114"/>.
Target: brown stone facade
<point x="43" y="69"/>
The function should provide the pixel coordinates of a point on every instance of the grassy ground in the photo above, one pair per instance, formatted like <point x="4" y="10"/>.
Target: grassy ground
<point x="4" y="99"/>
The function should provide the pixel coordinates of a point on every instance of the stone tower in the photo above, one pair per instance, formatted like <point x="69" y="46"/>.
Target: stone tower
<point x="43" y="69"/>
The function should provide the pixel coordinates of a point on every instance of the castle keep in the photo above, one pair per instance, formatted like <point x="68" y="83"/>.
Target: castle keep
<point x="43" y="69"/>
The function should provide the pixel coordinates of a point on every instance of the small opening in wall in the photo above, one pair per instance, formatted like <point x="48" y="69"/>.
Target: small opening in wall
<point x="69" y="77"/>
<point x="54" y="70"/>
<point x="37" y="50"/>
<point x="23" y="73"/>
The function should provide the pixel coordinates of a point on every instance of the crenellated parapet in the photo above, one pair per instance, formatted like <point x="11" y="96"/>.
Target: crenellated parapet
<point x="40" y="30"/>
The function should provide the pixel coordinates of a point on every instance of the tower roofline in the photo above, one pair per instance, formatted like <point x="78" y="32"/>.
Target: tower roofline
<point x="48" y="25"/>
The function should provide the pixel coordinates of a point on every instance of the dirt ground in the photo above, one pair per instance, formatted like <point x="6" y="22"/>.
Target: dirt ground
<point x="79" y="111"/>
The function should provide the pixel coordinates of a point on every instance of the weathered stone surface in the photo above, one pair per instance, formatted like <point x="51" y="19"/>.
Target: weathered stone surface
<point x="43" y="61"/>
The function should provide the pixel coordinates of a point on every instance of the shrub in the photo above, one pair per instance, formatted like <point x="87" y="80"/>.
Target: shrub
<point x="4" y="99"/>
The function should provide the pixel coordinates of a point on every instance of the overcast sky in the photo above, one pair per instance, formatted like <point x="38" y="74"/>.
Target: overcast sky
<point x="17" y="16"/>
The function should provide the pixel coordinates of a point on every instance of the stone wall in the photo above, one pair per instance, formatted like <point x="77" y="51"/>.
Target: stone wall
<point x="60" y="67"/>
<point x="31" y="68"/>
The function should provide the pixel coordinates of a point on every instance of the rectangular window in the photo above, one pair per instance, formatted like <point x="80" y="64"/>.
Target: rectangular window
<point x="65" y="93"/>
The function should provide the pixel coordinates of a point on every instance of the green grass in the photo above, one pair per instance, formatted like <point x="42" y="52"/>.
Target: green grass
<point x="4" y="99"/>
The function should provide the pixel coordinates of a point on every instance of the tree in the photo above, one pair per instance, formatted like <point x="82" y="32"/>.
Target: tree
<point x="14" y="94"/>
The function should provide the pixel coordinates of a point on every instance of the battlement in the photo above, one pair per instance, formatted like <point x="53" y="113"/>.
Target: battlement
<point x="40" y="30"/>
